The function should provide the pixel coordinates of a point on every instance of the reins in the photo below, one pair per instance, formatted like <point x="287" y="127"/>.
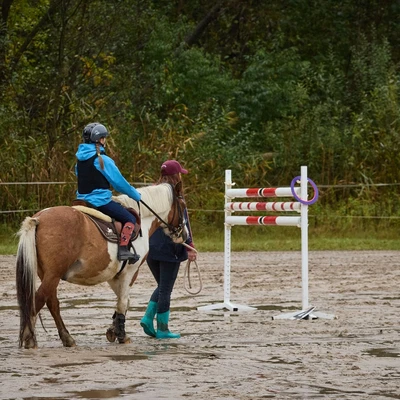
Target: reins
<point x="152" y="211"/>
<point x="177" y="231"/>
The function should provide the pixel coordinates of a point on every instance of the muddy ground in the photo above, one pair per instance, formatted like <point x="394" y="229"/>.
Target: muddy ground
<point x="221" y="354"/>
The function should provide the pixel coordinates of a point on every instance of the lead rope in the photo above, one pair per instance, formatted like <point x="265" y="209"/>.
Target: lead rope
<point x="188" y="284"/>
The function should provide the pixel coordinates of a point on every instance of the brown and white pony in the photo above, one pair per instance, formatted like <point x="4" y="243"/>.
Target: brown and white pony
<point x="63" y="243"/>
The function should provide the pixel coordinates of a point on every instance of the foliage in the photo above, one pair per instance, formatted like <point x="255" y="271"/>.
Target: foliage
<point x="261" y="88"/>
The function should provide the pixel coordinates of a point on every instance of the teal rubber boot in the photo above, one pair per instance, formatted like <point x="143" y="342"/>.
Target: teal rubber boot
<point x="162" y="327"/>
<point x="147" y="321"/>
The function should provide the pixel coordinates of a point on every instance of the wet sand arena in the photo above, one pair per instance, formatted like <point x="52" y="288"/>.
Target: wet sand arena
<point x="221" y="355"/>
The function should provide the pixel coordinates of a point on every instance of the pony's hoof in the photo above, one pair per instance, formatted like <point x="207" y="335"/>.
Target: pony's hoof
<point x="69" y="343"/>
<point x="110" y="335"/>
<point x="125" y="340"/>
<point x="30" y="342"/>
<point x="30" y="345"/>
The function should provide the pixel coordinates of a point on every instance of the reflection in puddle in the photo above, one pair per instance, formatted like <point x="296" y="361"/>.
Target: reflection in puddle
<point x="387" y="352"/>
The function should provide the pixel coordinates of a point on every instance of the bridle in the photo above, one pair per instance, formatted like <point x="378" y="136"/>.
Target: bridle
<point x="175" y="232"/>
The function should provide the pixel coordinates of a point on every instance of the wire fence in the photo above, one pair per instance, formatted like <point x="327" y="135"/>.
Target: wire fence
<point x="361" y="186"/>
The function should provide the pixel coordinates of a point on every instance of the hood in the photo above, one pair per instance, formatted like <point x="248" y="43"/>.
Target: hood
<point x="87" y="150"/>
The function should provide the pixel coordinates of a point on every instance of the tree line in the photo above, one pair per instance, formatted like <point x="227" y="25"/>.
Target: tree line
<point x="261" y="87"/>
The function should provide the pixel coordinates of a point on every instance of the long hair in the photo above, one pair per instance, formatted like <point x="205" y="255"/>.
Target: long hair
<point x="98" y="151"/>
<point x="174" y="180"/>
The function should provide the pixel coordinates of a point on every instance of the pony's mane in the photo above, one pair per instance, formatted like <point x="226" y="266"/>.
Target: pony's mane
<point x="157" y="197"/>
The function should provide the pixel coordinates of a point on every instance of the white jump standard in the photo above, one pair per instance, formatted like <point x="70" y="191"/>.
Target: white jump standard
<point x="301" y="206"/>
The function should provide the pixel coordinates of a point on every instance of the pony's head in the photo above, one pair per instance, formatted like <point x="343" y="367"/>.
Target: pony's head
<point x="165" y="202"/>
<point x="176" y="229"/>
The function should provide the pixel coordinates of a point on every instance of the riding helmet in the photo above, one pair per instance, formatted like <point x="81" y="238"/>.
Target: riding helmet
<point x="93" y="132"/>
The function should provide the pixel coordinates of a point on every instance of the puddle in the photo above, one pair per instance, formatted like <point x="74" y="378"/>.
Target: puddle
<point x="327" y="390"/>
<point x="128" y="357"/>
<point x="355" y="393"/>
<point x="105" y="393"/>
<point x="78" y="364"/>
<point x="269" y="307"/>
<point x="9" y="308"/>
<point x="183" y="309"/>
<point x="44" y="398"/>
<point x="98" y="394"/>
<point x="277" y="360"/>
<point x="386" y="352"/>
<point x="92" y="302"/>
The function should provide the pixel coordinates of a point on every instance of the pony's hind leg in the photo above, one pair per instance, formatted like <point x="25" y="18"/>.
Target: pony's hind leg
<point x="47" y="293"/>
<point x="28" y="337"/>
<point x="53" y="305"/>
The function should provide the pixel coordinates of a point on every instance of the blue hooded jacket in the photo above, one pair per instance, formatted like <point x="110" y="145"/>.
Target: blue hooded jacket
<point x="100" y="197"/>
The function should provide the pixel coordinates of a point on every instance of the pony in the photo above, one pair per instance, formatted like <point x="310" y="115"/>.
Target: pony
<point x="63" y="243"/>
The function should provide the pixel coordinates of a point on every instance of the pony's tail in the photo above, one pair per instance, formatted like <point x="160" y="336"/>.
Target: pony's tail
<point x="26" y="269"/>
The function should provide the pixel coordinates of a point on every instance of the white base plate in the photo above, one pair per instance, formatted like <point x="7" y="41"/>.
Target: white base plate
<point x="309" y="313"/>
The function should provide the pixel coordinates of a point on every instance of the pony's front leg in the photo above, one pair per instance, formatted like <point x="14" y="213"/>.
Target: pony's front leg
<point x="117" y="329"/>
<point x="121" y="285"/>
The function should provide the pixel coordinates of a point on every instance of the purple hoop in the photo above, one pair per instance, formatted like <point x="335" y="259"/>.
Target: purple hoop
<point x="305" y="202"/>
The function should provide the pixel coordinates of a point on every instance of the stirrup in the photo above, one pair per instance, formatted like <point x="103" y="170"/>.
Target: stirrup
<point x="125" y="255"/>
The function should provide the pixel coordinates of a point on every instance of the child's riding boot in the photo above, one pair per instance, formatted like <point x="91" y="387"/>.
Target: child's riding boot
<point x="123" y="250"/>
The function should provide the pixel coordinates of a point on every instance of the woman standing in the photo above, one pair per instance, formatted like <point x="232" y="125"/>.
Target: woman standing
<point x="164" y="259"/>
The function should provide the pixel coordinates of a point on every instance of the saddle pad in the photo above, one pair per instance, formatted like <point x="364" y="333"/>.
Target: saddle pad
<point x="93" y="212"/>
<point x="107" y="229"/>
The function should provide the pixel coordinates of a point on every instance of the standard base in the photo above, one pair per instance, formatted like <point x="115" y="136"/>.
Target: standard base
<point x="227" y="305"/>
<point x="308" y="314"/>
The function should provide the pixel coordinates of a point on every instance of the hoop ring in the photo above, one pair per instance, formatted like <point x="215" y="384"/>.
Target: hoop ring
<point x="305" y="202"/>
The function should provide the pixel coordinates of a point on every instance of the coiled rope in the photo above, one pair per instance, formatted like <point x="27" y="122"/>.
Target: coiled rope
<point x="186" y="276"/>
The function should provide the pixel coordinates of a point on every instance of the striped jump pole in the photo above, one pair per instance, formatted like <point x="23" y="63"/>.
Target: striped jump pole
<point x="300" y="206"/>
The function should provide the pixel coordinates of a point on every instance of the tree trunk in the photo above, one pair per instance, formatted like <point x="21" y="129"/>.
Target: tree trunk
<point x="194" y="37"/>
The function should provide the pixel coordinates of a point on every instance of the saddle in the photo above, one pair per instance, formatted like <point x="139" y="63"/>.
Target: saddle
<point x="109" y="228"/>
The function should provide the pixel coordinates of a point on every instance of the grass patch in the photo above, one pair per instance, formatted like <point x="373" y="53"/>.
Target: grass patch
<point x="8" y="240"/>
<point x="272" y="238"/>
